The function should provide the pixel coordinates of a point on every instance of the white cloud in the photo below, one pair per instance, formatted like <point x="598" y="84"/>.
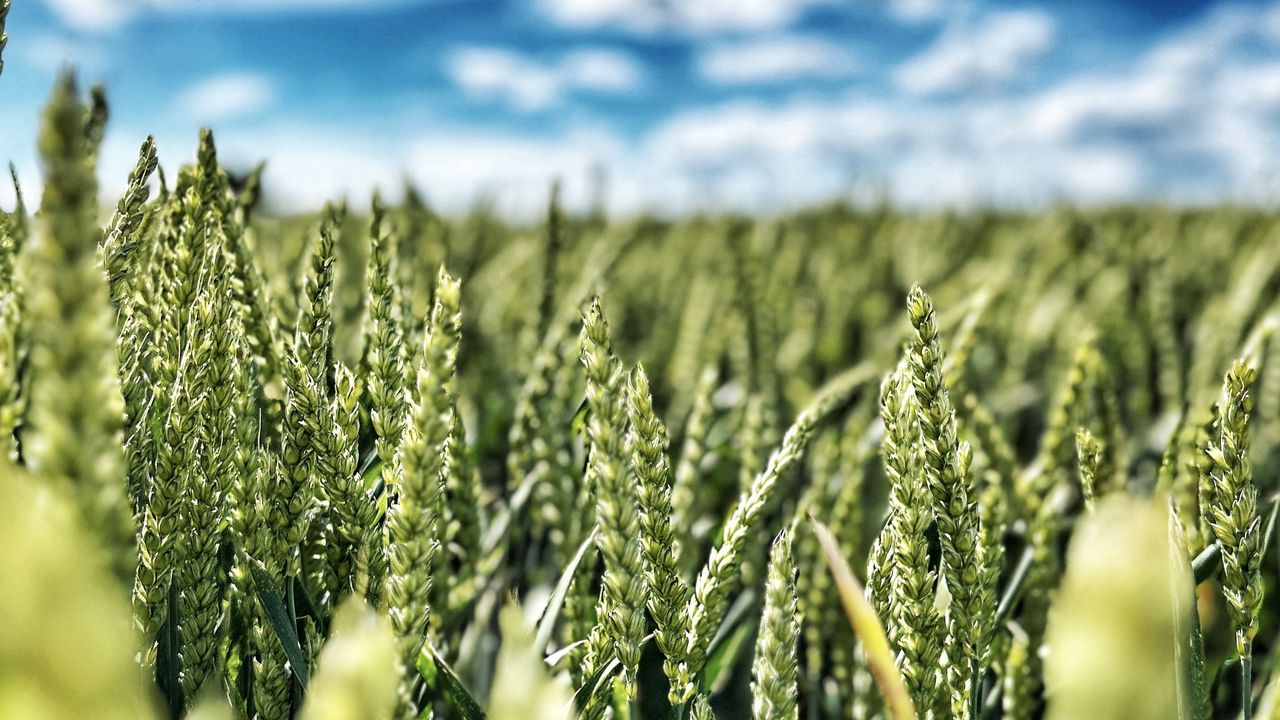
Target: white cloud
<point x="600" y="70"/>
<point x="709" y="15"/>
<point x="491" y="73"/>
<point x="916" y="11"/>
<point x="50" y="53"/>
<point x="311" y="163"/>
<point x="1201" y="109"/>
<point x="455" y="167"/>
<point x="1271" y="22"/>
<point x="1091" y="140"/>
<point x="458" y="167"/>
<point x="1172" y="86"/>
<point x="1105" y="105"/>
<point x="1195" y="118"/>
<point x="988" y="55"/>
<point x="92" y="15"/>
<point x="529" y="86"/>
<point x="1254" y="87"/>
<point x="752" y="156"/>
<point x="100" y="16"/>
<point x="641" y="15"/>
<point x="752" y="132"/>
<point x="774" y="60"/>
<point x="695" y="16"/>
<point x="306" y="168"/>
<point x="740" y="155"/>
<point x="225" y="97"/>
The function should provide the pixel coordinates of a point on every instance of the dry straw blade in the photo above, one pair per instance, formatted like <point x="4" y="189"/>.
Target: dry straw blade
<point x="866" y="624"/>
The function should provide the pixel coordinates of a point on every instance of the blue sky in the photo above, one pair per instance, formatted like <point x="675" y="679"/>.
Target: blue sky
<point x="685" y="105"/>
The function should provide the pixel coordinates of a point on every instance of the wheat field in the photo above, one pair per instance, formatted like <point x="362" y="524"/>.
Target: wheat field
<point x="840" y="463"/>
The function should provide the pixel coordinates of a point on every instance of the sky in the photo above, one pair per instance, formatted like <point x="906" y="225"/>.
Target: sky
<point x="675" y="106"/>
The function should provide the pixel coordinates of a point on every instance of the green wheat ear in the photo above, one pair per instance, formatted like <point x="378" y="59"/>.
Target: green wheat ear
<point x="120" y="243"/>
<point x="415" y="523"/>
<point x="967" y="567"/>
<point x="1089" y="453"/>
<point x="462" y="483"/>
<point x="215" y="340"/>
<point x="622" y="600"/>
<point x="668" y="594"/>
<point x="774" y="670"/>
<point x="1229" y="504"/>
<point x="688" y="470"/>
<point x="913" y="623"/>
<point x="383" y="362"/>
<point x="701" y="709"/>
<point x="353" y="540"/>
<point x="10" y="389"/>
<point x="313" y="337"/>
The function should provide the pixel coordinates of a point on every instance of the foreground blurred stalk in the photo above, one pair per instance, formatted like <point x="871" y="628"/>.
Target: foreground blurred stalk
<point x="76" y="411"/>
<point x="1112" y="655"/>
